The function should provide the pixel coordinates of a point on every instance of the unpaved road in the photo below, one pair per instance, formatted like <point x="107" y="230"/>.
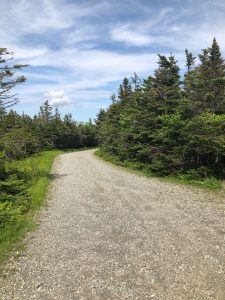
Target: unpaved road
<point x="111" y="234"/>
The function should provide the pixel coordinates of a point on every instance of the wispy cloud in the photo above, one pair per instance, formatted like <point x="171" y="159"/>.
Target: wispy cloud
<point x="125" y="35"/>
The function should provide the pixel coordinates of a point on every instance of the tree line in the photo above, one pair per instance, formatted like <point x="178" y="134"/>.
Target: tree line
<point x="168" y="124"/>
<point x="22" y="135"/>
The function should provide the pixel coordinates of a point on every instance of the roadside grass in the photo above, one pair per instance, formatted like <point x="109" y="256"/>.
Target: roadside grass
<point x="35" y="170"/>
<point x="208" y="183"/>
<point x="142" y="169"/>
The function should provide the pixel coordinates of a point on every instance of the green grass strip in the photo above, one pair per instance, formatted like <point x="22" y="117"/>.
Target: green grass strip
<point x="36" y="168"/>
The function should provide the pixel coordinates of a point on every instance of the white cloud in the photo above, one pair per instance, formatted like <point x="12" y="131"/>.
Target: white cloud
<point x="29" y="53"/>
<point x="140" y="33"/>
<point x="37" y="16"/>
<point x="96" y="64"/>
<point x="58" y="98"/>
<point x="46" y="17"/>
<point x="130" y="37"/>
<point x="170" y="28"/>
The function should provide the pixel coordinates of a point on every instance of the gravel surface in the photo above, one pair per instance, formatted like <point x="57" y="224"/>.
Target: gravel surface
<point x="111" y="234"/>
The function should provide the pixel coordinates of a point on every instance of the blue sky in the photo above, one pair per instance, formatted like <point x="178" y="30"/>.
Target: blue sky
<point x="79" y="51"/>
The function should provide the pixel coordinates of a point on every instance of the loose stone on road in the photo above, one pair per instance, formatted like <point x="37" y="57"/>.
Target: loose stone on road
<point x="111" y="234"/>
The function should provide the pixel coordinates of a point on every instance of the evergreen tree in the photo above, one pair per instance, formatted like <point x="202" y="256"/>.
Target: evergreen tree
<point x="8" y="80"/>
<point x="136" y="82"/>
<point x="125" y="91"/>
<point x="46" y="112"/>
<point x="113" y="98"/>
<point x="205" y="85"/>
<point x="190" y="60"/>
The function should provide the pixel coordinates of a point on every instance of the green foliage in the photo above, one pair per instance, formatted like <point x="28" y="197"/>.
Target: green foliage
<point x="9" y="214"/>
<point x="208" y="183"/>
<point x="18" y="143"/>
<point x="23" y="135"/>
<point x="22" y="192"/>
<point x="174" y="127"/>
<point x="2" y="165"/>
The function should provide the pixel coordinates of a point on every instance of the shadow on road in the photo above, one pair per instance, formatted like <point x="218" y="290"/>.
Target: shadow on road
<point x="57" y="176"/>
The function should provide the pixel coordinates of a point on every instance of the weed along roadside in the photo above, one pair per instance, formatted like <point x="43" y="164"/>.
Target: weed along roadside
<point x="24" y="193"/>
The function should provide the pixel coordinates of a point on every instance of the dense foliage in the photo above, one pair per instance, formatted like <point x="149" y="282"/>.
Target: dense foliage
<point x="23" y="135"/>
<point x="169" y="125"/>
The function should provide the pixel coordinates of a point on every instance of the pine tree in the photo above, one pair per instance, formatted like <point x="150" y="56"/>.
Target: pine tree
<point x="8" y="81"/>
<point x="125" y="91"/>
<point x="136" y="82"/>
<point x="216" y="62"/>
<point x="113" y="98"/>
<point x="205" y="85"/>
<point x="163" y="89"/>
<point x="46" y="112"/>
<point x="190" y="60"/>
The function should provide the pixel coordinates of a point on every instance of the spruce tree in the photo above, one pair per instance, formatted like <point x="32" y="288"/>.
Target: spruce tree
<point x="205" y="85"/>
<point x="8" y="80"/>
<point x="190" y="60"/>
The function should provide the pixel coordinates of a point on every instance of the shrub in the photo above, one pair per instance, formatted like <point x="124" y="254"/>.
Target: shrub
<point x="9" y="214"/>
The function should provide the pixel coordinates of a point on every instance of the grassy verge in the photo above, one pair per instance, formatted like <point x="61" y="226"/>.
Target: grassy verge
<point x="210" y="183"/>
<point x="35" y="171"/>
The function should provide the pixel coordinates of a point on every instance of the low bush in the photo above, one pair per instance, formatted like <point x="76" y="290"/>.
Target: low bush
<point x="22" y="191"/>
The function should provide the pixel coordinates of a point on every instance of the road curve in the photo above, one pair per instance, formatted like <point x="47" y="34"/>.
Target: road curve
<point x="111" y="234"/>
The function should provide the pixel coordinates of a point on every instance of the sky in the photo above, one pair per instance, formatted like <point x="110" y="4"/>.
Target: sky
<point x="79" y="51"/>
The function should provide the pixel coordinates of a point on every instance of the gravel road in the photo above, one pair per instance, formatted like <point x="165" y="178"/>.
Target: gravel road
<point x="111" y="234"/>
